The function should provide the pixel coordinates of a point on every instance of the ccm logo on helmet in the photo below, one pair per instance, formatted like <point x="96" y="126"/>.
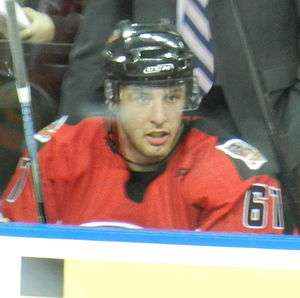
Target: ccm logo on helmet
<point x="158" y="68"/>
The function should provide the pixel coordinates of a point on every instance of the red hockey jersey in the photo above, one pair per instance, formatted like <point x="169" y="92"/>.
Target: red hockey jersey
<point x="200" y="188"/>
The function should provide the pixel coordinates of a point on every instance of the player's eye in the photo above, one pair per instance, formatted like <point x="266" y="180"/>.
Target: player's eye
<point x="172" y="98"/>
<point x="143" y="98"/>
<point x="139" y="96"/>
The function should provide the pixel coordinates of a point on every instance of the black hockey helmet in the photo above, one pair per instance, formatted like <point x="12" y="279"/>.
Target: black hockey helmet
<point x="148" y="54"/>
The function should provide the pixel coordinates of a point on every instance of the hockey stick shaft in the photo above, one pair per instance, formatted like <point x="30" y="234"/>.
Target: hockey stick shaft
<point x="24" y="96"/>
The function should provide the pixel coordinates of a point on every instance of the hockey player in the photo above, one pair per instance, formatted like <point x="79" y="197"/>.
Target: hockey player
<point x="148" y="164"/>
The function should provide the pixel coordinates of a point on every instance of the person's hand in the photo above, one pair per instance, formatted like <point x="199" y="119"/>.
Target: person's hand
<point x="42" y="28"/>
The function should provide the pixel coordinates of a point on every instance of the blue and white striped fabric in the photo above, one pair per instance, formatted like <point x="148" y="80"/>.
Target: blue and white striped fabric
<point x="194" y="27"/>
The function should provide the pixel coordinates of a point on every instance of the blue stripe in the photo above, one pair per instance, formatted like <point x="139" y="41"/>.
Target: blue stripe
<point x="200" y="7"/>
<point x="208" y="73"/>
<point x="199" y="38"/>
<point x="205" y="42"/>
<point x="188" y="22"/>
<point x="151" y="236"/>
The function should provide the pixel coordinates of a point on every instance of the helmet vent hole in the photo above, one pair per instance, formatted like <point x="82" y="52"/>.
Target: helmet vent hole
<point x="150" y="54"/>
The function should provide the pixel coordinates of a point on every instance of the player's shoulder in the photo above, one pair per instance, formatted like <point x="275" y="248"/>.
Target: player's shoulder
<point x="247" y="158"/>
<point x="62" y="132"/>
<point x="46" y="133"/>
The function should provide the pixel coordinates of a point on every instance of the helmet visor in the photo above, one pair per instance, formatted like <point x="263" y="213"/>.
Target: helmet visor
<point x="180" y="92"/>
<point x="146" y="95"/>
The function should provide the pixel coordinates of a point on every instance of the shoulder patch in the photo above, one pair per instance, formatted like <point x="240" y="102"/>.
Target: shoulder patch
<point x="239" y="149"/>
<point x="46" y="133"/>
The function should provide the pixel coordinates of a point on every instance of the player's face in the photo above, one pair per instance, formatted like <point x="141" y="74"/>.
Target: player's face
<point x="150" y="121"/>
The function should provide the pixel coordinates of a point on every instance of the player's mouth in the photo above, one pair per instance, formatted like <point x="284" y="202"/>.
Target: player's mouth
<point x="157" y="138"/>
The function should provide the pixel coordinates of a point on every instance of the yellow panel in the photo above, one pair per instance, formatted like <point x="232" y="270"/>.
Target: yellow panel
<point x="89" y="279"/>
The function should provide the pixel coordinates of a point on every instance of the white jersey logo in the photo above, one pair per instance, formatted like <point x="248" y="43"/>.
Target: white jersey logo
<point x="239" y="149"/>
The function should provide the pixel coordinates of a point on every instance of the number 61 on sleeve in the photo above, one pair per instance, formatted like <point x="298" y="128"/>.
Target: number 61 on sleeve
<point x="259" y="199"/>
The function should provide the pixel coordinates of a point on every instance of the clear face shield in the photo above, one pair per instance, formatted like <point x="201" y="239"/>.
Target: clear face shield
<point x="179" y="94"/>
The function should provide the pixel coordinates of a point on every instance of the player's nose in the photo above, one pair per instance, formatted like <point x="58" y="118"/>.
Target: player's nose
<point x="158" y="112"/>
